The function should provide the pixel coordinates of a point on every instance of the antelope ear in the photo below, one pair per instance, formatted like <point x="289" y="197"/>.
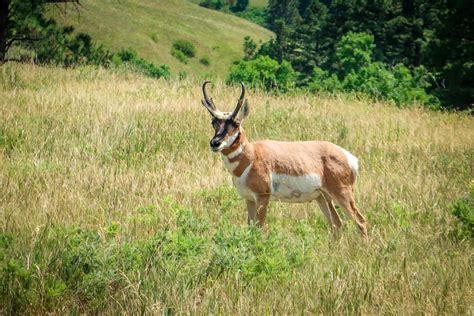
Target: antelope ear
<point x="244" y="111"/>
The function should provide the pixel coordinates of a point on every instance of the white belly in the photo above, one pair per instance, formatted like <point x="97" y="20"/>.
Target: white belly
<point x="240" y="184"/>
<point x="295" y="188"/>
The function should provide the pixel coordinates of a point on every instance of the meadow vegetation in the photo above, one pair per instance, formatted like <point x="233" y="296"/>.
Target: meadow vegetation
<point x="112" y="202"/>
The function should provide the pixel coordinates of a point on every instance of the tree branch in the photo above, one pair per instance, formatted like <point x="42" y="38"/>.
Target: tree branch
<point x="25" y="38"/>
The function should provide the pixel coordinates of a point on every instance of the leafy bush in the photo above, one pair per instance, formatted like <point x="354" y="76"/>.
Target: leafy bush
<point x="359" y="73"/>
<point x="128" y="55"/>
<point x="374" y="80"/>
<point x="239" y="6"/>
<point x="250" y="48"/>
<point x="323" y="81"/>
<point x="140" y="65"/>
<point x="212" y="4"/>
<point x="182" y="75"/>
<point x="397" y="84"/>
<point x="255" y="15"/>
<point x="150" y="70"/>
<point x="154" y="37"/>
<point x="205" y="61"/>
<point x="356" y="73"/>
<point x="354" y="51"/>
<point x="463" y="210"/>
<point x="179" y="55"/>
<point x="186" y="47"/>
<point x="263" y="72"/>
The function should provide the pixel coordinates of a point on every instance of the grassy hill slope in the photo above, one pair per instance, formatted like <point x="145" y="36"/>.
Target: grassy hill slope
<point x="150" y="27"/>
<point x="111" y="201"/>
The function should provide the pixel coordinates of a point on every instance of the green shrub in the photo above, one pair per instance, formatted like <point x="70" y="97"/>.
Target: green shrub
<point x="205" y="61"/>
<point x="410" y="87"/>
<point x="130" y="57"/>
<point x="397" y="84"/>
<point x="252" y="254"/>
<point x="463" y="210"/>
<point x="17" y="286"/>
<point x="255" y="15"/>
<point x="239" y="6"/>
<point x="354" y="51"/>
<point x="374" y="80"/>
<point x="179" y="55"/>
<point x="250" y="48"/>
<point x="185" y="47"/>
<point x="264" y="72"/>
<point x="182" y="75"/>
<point x="359" y="73"/>
<point x="150" y="70"/>
<point x="154" y="37"/>
<point x="323" y="81"/>
<point x="212" y="4"/>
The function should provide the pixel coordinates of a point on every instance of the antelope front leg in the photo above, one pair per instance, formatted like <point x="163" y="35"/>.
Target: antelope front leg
<point x="251" y="212"/>
<point x="262" y="203"/>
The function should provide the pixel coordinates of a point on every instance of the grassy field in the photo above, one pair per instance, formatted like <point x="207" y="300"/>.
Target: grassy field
<point x="111" y="201"/>
<point x="258" y="3"/>
<point x="157" y="24"/>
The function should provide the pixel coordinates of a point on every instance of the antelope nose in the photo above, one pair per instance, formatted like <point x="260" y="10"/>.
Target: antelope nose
<point x="215" y="142"/>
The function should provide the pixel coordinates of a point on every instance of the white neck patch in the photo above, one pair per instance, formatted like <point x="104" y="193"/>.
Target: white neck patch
<point x="228" y="142"/>
<point x="229" y="165"/>
<point x="236" y="152"/>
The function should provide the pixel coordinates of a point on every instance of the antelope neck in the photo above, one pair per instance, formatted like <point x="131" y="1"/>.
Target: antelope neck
<point x="239" y="155"/>
<point x="236" y="147"/>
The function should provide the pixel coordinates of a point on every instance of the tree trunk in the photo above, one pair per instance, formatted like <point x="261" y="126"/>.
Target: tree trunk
<point x="4" y="11"/>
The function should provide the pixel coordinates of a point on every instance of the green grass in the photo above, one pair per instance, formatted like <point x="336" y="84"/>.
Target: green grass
<point x="111" y="202"/>
<point x="258" y="3"/>
<point x="151" y="27"/>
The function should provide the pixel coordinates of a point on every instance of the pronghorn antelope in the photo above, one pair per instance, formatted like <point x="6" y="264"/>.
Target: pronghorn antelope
<point x="285" y="171"/>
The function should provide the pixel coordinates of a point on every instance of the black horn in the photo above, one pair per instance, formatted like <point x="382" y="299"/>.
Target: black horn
<point x="210" y="102"/>
<point x="240" y="102"/>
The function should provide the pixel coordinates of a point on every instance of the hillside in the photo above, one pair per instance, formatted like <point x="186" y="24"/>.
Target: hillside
<point x="157" y="24"/>
<point x="111" y="201"/>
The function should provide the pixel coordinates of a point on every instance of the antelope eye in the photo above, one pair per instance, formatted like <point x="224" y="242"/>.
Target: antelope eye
<point x="215" y="124"/>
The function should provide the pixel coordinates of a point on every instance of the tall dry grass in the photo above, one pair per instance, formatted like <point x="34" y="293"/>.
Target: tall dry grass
<point x="116" y="170"/>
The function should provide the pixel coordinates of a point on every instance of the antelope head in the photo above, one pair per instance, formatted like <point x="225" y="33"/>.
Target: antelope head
<point x="226" y="124"/>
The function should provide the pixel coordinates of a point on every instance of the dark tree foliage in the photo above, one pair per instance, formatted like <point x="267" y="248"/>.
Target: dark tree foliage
<point x="212" y="4"/>
<point x="437" y="34"/>
<point x="23" y="21"/>
<point x="451" y="53"/>
<point x="250" y="48"/>
<point x="239" y="6"/>
<point x="283" y="18"/>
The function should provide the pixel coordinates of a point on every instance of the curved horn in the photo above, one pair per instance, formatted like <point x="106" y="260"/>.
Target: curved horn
<point x="206" y="98"/>
<point x="240" y="102"/>
<point x="208" y="104"/>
